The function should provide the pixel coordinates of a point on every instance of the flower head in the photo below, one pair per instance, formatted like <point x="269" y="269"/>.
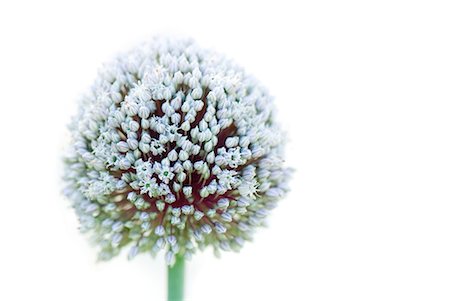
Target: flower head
<point x="174" y="148"/>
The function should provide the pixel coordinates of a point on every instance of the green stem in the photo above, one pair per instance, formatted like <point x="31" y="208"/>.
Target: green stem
<point x="176" y="280"/>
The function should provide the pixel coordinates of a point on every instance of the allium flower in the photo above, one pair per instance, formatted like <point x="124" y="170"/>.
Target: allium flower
<point x="174" y="148"/>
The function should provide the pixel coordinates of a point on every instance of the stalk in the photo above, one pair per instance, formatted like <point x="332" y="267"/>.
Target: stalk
<point x="176" y="280"/>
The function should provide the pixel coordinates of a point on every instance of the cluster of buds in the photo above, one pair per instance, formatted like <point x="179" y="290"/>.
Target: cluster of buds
<point x="174" y="148"/>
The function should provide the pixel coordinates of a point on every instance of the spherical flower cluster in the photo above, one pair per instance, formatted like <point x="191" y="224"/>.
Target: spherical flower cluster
<point x="174" y="148"/>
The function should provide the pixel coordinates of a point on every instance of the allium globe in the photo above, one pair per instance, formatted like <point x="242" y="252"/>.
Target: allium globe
<point x="174" y="148"/>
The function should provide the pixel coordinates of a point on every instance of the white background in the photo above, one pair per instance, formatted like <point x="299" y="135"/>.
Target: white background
<point x="363" y="87"/>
